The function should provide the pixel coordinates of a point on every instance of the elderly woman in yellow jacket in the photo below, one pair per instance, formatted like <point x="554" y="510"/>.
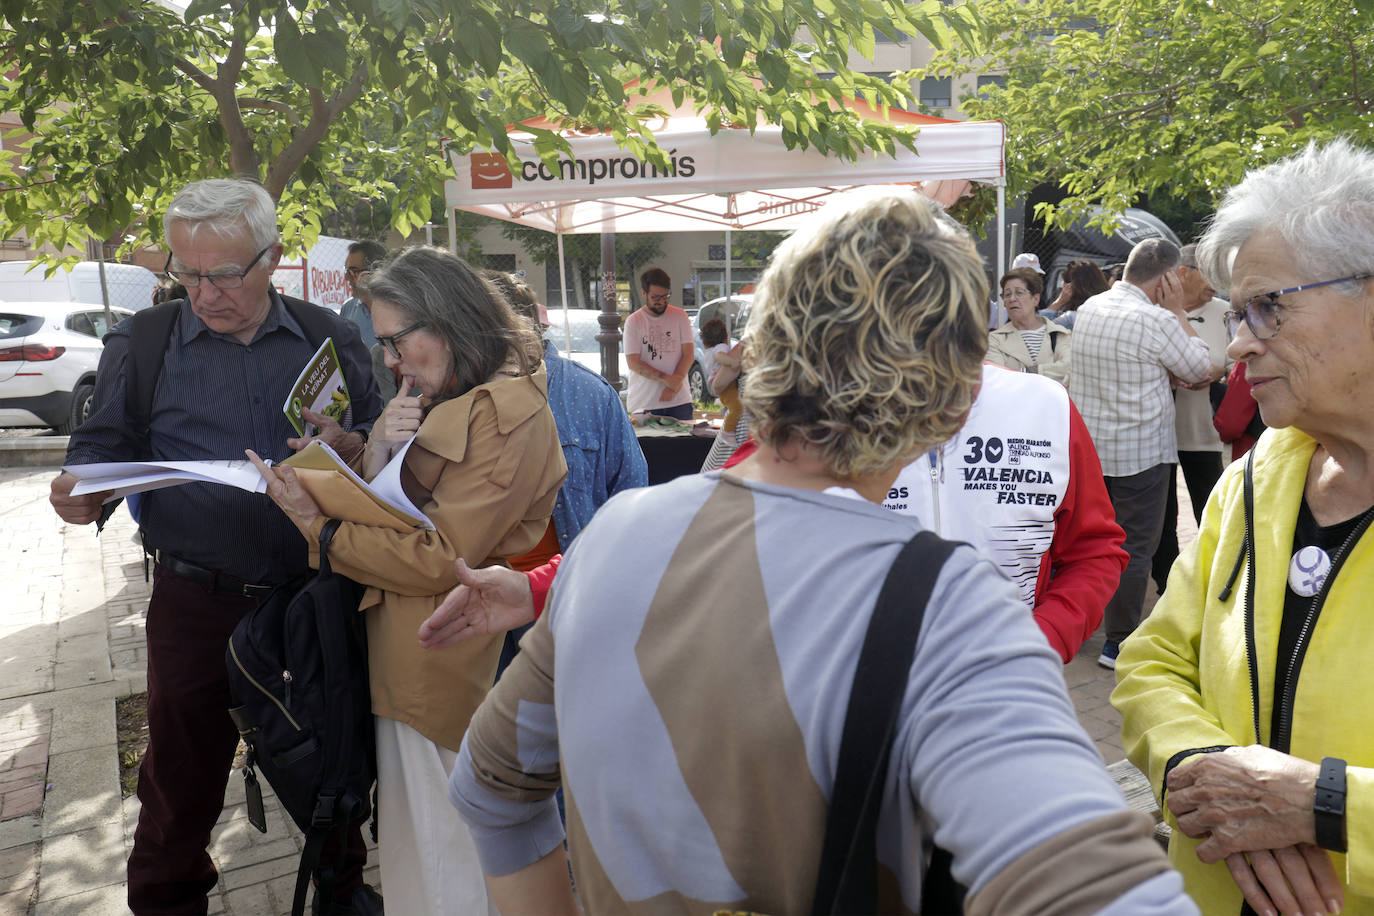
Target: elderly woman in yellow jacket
<point x="1028" y="342"/>
<point x="485" y="466"/>
<point x="1247" y="695"/>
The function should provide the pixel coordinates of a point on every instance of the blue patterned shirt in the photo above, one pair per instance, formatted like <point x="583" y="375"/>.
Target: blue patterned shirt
<point x="598" y="442"/>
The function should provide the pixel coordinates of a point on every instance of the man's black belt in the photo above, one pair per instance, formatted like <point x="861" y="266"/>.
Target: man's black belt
<point x="212" y="579"/>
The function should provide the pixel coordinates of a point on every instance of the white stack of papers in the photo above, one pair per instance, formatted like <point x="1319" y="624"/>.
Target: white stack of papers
<point x="126" y="477"/>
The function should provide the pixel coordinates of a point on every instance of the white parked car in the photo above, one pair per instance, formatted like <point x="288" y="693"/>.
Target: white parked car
<point x="733" y="310"/>
<point x="48" y="357"/>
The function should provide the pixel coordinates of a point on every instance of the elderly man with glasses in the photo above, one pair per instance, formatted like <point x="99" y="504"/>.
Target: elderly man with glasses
<point x="229" y="355"/>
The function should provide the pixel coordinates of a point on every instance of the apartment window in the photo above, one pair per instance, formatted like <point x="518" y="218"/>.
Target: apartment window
<point x="986" y="81"/>
<point x="935" y="91"/>
<point x="880" y="38"/>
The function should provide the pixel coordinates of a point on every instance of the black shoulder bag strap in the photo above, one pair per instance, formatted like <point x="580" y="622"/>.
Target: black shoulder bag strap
<point x="847" y="880"/>
<point x="317" y="322"/>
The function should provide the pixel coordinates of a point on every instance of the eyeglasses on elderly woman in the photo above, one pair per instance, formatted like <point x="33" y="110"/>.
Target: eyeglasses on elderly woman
<point x="1263" y="314"/>
<point x="390" y="341"/>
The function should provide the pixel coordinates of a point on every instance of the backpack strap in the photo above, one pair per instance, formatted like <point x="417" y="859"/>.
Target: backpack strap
<point x="333" y="815"/>
<point x="149" y="335"/>
<point x="317" y="322"/>
<point x="847" y="879"/>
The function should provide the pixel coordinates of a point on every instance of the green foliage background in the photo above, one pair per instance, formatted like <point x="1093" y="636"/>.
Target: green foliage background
<point x="343" y="105"/>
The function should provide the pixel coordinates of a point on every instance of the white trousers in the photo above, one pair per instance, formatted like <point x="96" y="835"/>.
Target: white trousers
<point x="428" y="860"/>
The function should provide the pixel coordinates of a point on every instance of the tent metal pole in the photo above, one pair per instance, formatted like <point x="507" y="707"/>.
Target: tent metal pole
<point x="453" y="229"/>
<point x="563" y="289"/>
<point x="729" y="252"/>
<point x="1001" y="228"/>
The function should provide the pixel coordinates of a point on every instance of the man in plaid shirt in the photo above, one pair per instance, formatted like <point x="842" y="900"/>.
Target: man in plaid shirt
<point x="1130" y="345"/>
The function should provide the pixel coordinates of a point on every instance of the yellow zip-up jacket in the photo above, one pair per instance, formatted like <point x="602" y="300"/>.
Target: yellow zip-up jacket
<point x="1184" y="682"/>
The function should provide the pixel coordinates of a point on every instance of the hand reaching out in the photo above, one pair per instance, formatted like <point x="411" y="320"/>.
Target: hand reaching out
<point x="489" y="600"/>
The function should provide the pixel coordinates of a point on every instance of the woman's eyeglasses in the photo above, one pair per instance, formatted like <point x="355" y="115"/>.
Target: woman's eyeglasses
<point x="1263" y="314"/>
<point x="389" y="341"/>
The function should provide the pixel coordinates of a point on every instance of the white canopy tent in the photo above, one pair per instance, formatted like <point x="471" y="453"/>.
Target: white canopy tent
<point x="730" y="180"/>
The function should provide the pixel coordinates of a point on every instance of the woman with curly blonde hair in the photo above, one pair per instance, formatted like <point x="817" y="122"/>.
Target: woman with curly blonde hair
<point x="707" y="632"/>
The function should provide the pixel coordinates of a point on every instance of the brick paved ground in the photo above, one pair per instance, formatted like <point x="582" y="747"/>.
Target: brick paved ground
<point x="71" y="641"/>
<point x="24" y="739"/>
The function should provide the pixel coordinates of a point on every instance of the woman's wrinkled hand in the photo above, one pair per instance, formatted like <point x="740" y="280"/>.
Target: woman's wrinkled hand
<point x="400" y="419"/>
<point x="284" y="488"/>
<point x="1295" y="879"/>
<point x="1243" y="799"/>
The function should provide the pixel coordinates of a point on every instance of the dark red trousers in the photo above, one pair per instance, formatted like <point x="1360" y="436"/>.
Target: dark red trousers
<point x="191" y="743"/>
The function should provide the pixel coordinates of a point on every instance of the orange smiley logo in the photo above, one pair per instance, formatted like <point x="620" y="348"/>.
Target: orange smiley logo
<point x="490" y="170"/>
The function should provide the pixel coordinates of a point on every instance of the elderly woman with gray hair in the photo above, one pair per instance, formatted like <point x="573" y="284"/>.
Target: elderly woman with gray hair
<point x="706" y="632"/>
<point x="481" y="459"/>
<point x="1247" y="696"/>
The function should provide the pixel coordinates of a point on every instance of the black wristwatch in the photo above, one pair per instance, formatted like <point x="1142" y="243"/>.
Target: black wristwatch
<point x="1328" y="806"/>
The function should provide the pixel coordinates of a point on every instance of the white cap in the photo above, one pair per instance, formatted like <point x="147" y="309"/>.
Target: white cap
<point x="1028" y="259"/>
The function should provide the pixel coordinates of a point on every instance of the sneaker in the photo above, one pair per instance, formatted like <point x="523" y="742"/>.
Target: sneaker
<point x="364" y="902"/>
<point x="1109" y="652"/>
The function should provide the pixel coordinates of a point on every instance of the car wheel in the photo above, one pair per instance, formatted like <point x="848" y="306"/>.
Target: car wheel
<point x="81" y="408"/>
<point x="696" y="382"/>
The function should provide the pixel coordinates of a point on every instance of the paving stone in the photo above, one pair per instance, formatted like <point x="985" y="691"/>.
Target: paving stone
<point x="239" y="870"/>
<point x="22" y="777"/>
<point x="82" y="861"/>
<point x="85" y="790"/>
<point x="262" y="870"/>
<point x="22" y="802"/>
<point x="111" y="900"/>
<point x="20" y="832"/>
<point x="18" y="902"/>
<point x="282" y="890"/>
<point x="83" y="725"/>
<point x="254" y="900"/>
<point x="18" y="867"/>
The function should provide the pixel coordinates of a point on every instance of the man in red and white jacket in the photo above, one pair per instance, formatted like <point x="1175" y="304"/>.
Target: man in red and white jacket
<point x="1022" y="483"/>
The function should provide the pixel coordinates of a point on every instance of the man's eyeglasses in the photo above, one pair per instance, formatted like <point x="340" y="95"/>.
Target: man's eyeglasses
<point x="354" y="273"/>
<point x="229" y="280"/>
<point x="661" y="300"/>
<point x="389" y="342"/>
<point x="1263" y="314"/>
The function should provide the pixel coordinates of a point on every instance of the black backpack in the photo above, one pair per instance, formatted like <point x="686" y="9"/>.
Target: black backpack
<point x="298" y="676"/>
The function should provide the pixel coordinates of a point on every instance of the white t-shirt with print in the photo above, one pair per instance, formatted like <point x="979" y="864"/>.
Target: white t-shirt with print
<point x="658" y="342"/>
